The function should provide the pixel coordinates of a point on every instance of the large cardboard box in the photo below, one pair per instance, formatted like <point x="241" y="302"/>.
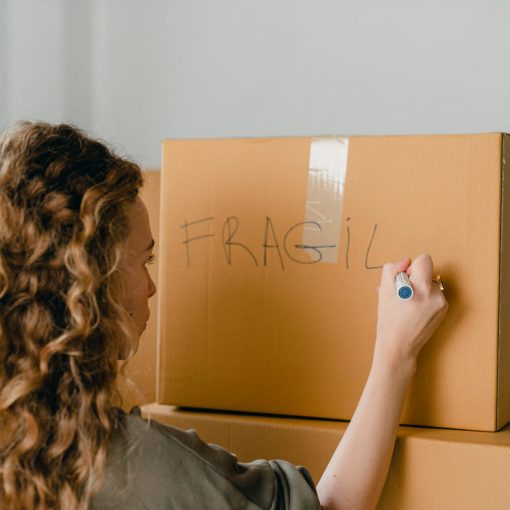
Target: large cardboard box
<point x="272" y="252"/>
<point x="431" y="468"/>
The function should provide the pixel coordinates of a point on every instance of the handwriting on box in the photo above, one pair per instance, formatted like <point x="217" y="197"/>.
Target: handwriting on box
<point x="285" y="247"/>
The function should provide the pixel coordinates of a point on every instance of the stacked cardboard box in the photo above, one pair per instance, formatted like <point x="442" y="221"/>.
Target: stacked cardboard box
<point x="272" y="252"/>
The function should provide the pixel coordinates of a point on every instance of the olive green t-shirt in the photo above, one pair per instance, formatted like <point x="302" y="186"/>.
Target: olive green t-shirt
<point x="156" y="467"/>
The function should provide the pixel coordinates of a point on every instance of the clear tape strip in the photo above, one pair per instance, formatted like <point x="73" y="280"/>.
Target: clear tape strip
<point x="325" y="195"/>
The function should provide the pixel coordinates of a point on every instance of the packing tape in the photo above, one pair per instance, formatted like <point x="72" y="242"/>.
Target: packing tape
<point x="325" y="195"/>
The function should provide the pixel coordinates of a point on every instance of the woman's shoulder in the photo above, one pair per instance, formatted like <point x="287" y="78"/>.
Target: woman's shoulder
<point x="153" y="464"/>
<point x="150" y="438"/>
<point x="166" y="446"/>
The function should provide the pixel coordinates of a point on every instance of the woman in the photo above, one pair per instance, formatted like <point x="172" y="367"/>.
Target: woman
<point x="74" y="243"/>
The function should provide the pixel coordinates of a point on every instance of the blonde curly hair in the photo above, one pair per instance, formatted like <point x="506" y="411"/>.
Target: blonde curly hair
<point x="63" y="200"/>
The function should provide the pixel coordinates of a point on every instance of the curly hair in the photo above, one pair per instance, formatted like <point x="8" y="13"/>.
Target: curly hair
<point x="63" y="203"/>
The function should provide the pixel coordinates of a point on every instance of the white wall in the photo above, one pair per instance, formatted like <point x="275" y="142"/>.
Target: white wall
<point x="47" y="55"/>
<point x="138" y="71"/>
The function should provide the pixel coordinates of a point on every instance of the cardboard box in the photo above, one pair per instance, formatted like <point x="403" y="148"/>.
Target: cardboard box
<point x="273" y="250"/>
<point x="138" y="385"/>
<point x="431" y="468"/>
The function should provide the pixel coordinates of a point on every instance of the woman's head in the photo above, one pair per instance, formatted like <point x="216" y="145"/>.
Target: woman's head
<point x="70" y="295"/>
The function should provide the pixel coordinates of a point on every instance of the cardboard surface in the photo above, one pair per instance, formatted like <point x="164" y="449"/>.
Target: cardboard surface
<point x="431" y="468"/>
<point x="139" y="382"/>
<point x="248" y="323"/>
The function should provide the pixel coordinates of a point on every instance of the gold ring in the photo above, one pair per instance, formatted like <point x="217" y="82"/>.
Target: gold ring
<point x="439" y="281"/>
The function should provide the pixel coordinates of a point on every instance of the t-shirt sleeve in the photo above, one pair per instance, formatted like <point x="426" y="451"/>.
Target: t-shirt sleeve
<point x="272" y="485"/>
<point x="294" y="487"/>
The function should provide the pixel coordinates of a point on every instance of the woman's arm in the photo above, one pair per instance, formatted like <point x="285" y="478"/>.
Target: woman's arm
<point x="356" y="473"/>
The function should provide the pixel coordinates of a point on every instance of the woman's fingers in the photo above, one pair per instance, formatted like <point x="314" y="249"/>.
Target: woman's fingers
<point x="391" y="269"/>
<point x="421" y="270"/>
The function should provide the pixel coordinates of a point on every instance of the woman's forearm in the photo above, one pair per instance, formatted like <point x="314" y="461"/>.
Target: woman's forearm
<point x="355" y="475"/>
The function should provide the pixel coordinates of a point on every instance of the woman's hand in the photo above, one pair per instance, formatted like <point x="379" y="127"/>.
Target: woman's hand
<point x="404" y="326"/>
